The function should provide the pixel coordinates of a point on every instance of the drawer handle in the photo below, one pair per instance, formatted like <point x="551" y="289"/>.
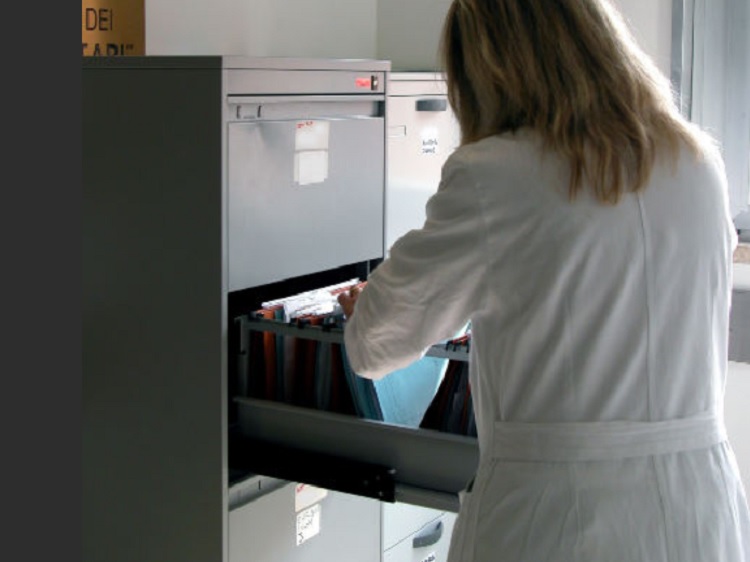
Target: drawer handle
<point x="428" y="536"/>
<point x="432" y="105"/>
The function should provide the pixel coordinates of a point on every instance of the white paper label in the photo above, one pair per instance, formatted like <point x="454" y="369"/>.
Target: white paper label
<point x="305" y="495"/>
<point x="311" y="152"/>
<point x="310" y="166"/>
<point x="308" y="523"/>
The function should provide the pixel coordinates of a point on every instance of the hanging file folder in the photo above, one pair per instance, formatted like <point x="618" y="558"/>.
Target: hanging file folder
<point x="432" y="392"/>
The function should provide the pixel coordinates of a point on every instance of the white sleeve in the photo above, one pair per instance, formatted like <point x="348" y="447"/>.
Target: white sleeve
<point x="428" y="287"/>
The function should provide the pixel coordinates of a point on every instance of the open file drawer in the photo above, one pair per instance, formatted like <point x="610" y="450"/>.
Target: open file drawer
<point x="349" y="452"/>
<point x="366" y="457"/>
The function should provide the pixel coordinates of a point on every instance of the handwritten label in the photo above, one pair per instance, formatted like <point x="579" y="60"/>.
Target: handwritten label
<point x="429" y="141"/>
<point x="308" y="523"/>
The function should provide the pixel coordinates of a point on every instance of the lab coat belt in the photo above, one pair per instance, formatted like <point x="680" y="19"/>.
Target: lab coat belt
<point x="590" y="441"/>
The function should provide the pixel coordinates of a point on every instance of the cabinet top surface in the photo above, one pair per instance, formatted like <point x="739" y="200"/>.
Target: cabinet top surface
<point x="237" y="62"/>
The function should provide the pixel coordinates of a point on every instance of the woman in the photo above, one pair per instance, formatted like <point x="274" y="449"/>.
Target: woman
<point x="582" y="227"/>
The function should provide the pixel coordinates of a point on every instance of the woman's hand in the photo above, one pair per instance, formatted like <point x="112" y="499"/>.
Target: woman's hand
<point x="348" y="299"/>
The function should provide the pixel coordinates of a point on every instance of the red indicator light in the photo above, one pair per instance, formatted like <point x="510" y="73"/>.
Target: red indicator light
<point x="363" y="82"/>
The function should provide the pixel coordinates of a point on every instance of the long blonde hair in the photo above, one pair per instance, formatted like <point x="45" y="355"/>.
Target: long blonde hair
<point x="570" y="70"/>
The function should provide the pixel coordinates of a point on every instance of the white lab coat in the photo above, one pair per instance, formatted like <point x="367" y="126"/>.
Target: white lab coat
<point x="598" y="358"/>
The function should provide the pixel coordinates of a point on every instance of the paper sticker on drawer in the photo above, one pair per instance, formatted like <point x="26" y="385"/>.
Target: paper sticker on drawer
<point x="311" y="152"/>
<point x="305" y="495"/>
<point x="310" y="166"/>
<point x="312" y="135"/>
<point x="308" y="523"/>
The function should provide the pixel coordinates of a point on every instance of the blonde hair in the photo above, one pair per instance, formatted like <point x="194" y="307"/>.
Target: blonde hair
<point x="570" y="70"/>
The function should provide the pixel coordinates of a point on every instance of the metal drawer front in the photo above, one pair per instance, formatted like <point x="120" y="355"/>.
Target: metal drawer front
<point x="297" y="205"/>
<point x="429" y="544"/>
<point x="401" y="520"/>
<point x="267" y="529"/>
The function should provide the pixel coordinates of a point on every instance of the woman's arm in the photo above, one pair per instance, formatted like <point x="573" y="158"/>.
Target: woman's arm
<point x="428" y="288"/>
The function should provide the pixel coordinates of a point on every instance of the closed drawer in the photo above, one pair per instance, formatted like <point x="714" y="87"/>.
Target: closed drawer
<point x="428" y="544"/>
<point x="339" y="527"/>
<point x="300" y="203"/>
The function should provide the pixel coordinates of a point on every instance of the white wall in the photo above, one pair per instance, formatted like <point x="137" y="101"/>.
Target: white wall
<point x="294" y="28"/>
<point x="403" y="31"/>
<point x="651" y="25"/>
<point x="408" y="30"/>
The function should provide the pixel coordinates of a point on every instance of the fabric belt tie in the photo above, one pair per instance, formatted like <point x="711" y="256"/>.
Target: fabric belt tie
<point x="592" y="441"/>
